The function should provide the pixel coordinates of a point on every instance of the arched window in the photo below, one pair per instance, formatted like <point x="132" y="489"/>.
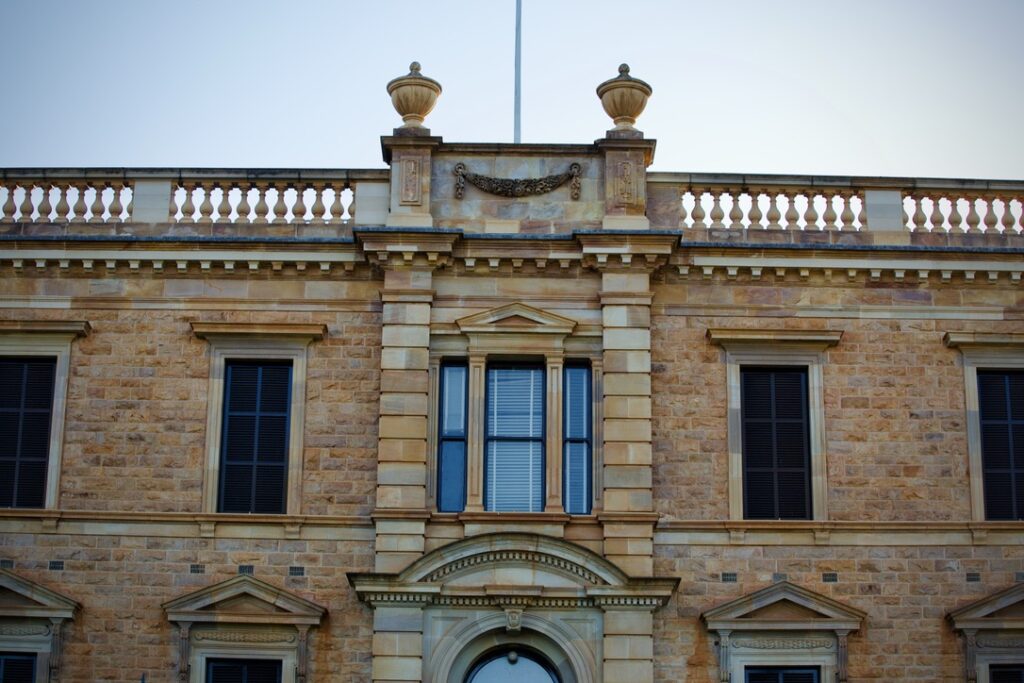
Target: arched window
<point x="512" y="665"/>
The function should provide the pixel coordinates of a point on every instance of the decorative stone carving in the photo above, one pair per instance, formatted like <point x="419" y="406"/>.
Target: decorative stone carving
<point x="413" y="96"/>
<point x="18" y="630"/>
<point x="784" y="643"/>
<point x="412" y="188"/>
<point x="513" y="619"/>
<point x="245" y="637"/>
<point x="624" y="98"/>
<point x="518" y="187"/>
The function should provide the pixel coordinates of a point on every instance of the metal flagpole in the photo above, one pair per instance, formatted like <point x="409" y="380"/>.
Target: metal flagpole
<point x="517" y="133"/>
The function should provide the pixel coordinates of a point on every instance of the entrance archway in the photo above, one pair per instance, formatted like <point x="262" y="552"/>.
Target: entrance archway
<point x="512" y="665"/>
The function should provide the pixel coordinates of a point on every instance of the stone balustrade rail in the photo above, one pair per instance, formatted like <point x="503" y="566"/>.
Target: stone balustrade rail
<point x="202" y="196"/>
<point x="743" y="202"/>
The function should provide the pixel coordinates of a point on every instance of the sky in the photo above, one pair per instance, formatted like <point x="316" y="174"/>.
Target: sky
<point x="930" y="88"/>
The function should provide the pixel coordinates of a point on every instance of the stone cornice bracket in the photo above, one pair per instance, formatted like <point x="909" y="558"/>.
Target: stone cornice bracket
<point x="518" y="187"/>
<point x="632" y="251"/>
<point x="399" y="249"/>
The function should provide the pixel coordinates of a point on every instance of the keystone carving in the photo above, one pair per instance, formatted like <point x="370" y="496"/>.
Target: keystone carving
<point x="518" y="187"/>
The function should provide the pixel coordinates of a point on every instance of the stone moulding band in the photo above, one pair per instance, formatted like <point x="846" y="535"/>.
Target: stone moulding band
<point x="518" y="187"/>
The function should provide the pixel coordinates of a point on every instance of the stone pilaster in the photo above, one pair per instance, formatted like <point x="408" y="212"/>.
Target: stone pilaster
<point x="410" y="158"/>
<point x="625" y="181"/>
<point x="397" y="643"/>
<point x="628" y="645"/>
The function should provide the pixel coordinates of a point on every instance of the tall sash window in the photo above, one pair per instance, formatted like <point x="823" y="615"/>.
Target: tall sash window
<point x="514" y="442"/>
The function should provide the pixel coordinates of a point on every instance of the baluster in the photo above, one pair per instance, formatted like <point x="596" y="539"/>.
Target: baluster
<point x="682" y="210"/>
<point x="224" y="205"/>
<point x="280" y="208"/>
<point x="1020" y="216"/>
<point x="717" y="214"/>
<point x="811" y="214"/>
<point x="906" y="216"/>
<point x="755" y="210"/>
<point x="9" y="207"/>
<point x="862" y="214"/>
<point x="26" y="204"/>
<point x="62" y="202"/>
<point x="973" y="219"/>
<point x="79" y="208"/>
<point x="96" y="209"/>
<point x="131" y="201"/>
<point x="735" y="213"/>
<point x="261" y="203"/>
<point x="774" y="213"/>
<point x="243" y="209"/>
<point x="45" y="208"/>
<point x="1007" y="220"/>
<point x="698" y="210"/>
<point x="846" y="215"/>
<point x="791" y="216"/>
<point x="830" y="216"/>
<point x="937" y="219"/>
<point x="206" y="206"/>
<point x="319" y="208"/>
<point x="990" y="214"/>
<point x="918" y="218"/>
<point x="337" y="210"/>
<point x="116" y="208"/>
<point x="955" y="219"/>
<point x="352" y="205"/>
<point x="299" y="207"/>
<point x="188" y="207"/>
<point x="172" y="209"/>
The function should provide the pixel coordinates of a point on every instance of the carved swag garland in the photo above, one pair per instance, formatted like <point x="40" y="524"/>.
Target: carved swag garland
<point x="517" y="187"/>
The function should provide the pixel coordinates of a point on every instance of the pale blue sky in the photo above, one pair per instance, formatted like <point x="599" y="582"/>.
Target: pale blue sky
<point x="873" y="87"/>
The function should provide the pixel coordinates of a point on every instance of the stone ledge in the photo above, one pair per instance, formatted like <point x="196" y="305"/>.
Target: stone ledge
<point x="78" y="328"/>
<point x="206" y="330"/>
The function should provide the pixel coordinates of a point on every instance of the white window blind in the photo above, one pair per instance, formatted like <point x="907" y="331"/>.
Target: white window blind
<point x="515" y="440"/>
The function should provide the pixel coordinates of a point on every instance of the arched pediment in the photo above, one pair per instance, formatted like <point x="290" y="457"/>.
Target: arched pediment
<point x="512" y="568"/>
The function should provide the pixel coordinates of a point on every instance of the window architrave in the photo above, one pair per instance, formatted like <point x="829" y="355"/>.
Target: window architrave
<point x="47" y="339"/>
<point x="981" y="351"/>
<point x="255" y="341"/>
<point x="780" y="348"/>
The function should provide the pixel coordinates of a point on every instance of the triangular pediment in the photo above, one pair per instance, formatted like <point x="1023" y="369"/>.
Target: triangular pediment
<point x="518" y="318"/>
<point x="244" y="599"/>
<point x="1001" y="610"/>
<point x="20" y="597"/>
<point x="783" y="606"/>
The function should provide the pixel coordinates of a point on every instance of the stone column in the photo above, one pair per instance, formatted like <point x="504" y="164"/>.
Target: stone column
<point x="627" y="504"/>
<point x="628" y="644"/>
<point x="397" y="643"/>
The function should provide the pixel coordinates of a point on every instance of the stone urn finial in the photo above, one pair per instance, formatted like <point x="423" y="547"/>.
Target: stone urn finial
<point x="413" y="96"/>
<point x="624" y="98"/>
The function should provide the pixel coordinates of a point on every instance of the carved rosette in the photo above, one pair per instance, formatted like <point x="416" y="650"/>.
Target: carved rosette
<point x="413" y="96"/>
<point x="624" y="98"/>
<point x="518" y="187"/>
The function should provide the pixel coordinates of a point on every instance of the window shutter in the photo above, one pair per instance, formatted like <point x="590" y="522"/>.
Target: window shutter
<point x="451" y="456"/>
<point x="515" y="440"/>
<point x="776" y="443"/>
<point x="254" y="466"/>
<point x="26" y="406"/>
<point x="17" y="667"/>
<point x="576" y="458"/>
<point x="1001" y="417"/>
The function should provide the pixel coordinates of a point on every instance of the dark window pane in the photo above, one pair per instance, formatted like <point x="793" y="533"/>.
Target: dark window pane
<point x="17" y="667"/>
<point x="1000" y="395"/>
<point x="243" y="670"/>
<point x="1006" y="673"/>
<point x="576" y="454"/>
<point x="26" y="404"/>
<point x="577" y="478"/>
<point x="453" y="400"/>
<point x="451" y="432"/>
<point x="577" y="403"/>
<point x="451" y="479"/>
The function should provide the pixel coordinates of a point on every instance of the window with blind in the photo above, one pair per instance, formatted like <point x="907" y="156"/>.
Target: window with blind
<point x="255" y="433"/>
<point x="26" y="412"/>
<point x="577" y="448"/>
<point x="1001" y="414"/>
<point x="776" y="443"/>
<point x="1006" y="673"/>
<point x="781" y="675"/>
<point x="514" y="441"/>
<point x="243" y="671"/>
<point x="451" y="455"/>
<point x="17" y="667"/>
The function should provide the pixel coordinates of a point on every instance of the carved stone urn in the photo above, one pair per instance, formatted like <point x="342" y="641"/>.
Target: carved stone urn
<point x="624" y="98"/>
<point x="413" y="96"/>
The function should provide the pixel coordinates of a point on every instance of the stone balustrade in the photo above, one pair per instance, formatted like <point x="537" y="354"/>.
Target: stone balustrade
<point x="204" y="196"/>
<point x="740" y="202"/>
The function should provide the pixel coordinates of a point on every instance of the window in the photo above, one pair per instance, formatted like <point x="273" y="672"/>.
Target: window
<point x="26" y="411"/>
<point x="994" y="398"/>
<point x="776" y="420"/>
<point x="17" y="667"/>
<point x="1001" y="418"/>
<point x="243" y="671"/>
<point x="515" y="438"/>
<point x="1006" y="673"/>
<point x="781" y="675"/>
<point x="254" y="470"/>
<point x="35" y="362"/>
<point x="776" y="443"/>
<point x="519" y="665"/>
<point x="255" y="415"/>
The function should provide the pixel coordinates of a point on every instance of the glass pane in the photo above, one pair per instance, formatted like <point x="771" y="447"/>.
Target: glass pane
<point x="453" y="400"/>
<point x="577" y="403"/>
<point x="512" y="667"/>
<point x="451" y="477"/>
<point x="515" y="475"/>
<point x="577" y="478"/>
<point x="515" y="402"/>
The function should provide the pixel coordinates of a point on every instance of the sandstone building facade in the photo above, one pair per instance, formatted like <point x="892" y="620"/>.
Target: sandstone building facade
<point x="510" y="410"/>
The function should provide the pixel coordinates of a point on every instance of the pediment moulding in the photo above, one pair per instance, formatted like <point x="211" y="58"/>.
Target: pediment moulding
<point x="32" y="619"/>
